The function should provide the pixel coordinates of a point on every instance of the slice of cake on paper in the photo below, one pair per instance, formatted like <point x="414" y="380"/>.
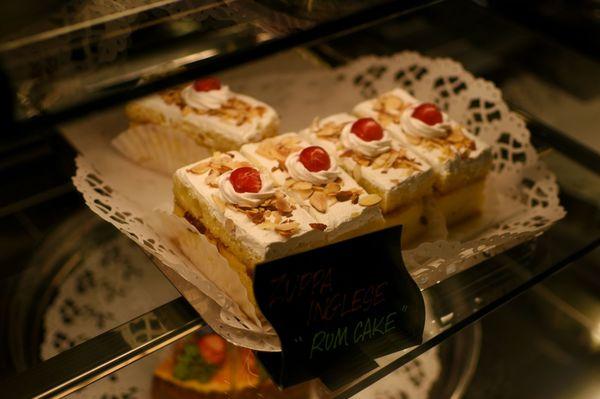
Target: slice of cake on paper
<point x="242" y="209"/>
<point x="380" y="164"/>
<point x="460" y="160"/>
<point x="210" y="113"/>
<point x="312" y="177"/>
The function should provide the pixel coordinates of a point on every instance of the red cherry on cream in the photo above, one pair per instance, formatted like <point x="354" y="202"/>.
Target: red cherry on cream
<point x="428" y="113"/>
<point x="207" y="84"/>
<point x="315" y="158"/>
<point x="367" y="129"/>
<point x="245" y="180"/>
<point x="212" y="348"/>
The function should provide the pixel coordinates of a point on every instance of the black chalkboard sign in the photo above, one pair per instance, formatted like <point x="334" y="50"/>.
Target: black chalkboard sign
<point x="338" y="308"/>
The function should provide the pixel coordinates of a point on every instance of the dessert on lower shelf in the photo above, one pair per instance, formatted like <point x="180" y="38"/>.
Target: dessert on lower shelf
<point x="205" y="366"/>
<point x="209" y="112"/>
<point x="312" y="177"/>
<point x="459" y="159"/>
<point x="380" y="164"/>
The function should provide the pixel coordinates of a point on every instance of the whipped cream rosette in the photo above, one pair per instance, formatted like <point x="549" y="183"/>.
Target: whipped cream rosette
<point x="311" y="176"/>
<point x="210" y="113"/>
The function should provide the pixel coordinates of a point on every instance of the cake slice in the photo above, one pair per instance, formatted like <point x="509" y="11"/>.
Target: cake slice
<point x="378" y="162"/>
<point x="460" y="160"/>
<point x="457" y="157"/>
<point x="210" y="113"/>
<point x="381" y="165"/>
<point x="312" y="177"/>
<point x="230" y="199"/>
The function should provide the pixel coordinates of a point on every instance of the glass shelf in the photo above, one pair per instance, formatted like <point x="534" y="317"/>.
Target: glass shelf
<point x="29" y="287"/>
<point x="83" y="58"/>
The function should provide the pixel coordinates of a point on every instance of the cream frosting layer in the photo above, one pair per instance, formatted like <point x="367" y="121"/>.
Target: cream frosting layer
<point x="263" y="243"/>
<point x="385" y="179"/>
<point x="251" y="130"/>
<point x="340" y="217"/>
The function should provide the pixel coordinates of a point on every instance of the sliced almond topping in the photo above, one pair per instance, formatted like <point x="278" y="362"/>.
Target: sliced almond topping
<point x="304" y="194"/>
<point x="392" y="103"/>
<point x="319" y="201"/>
<point x="267" y="225"/>
<point x="332" y="188"/>
<point x="356" y="173"/>
<point x="200" y="168"/>
<point x="302" y="185"/>
<point x="318" y="226"/>
<point x="380" y="161"/>
<point x="287" y="226"/>
<point x="369" y="200"/>
<point x="283" y="205"/>
<point x="343" y="195"/>
<point x="211" y="179"/>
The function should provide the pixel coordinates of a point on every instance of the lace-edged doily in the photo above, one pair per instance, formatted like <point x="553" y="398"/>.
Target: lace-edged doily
<point x="525" y="190"/>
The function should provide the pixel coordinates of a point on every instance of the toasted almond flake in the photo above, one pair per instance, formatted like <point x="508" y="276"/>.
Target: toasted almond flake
<point x="319" y="201"/>
<point x="267" y="225"/>
<point x="343" y="195"/>
<point x="219" y="202"/>
<point x="318" y="226"/>
<point x="277" y="217"/>
<point x="369" y="200"/>
<point x="356" y="173"/>
<point x="199" y="169"/>
<point x="304" y="194"/>
<point x="302" y="185"/>
<point x="287" y="226"/>
<point x="380" y="161"/>
<point x="283" y="205"/>
<point x="211" y="178"/>
<point x="332" y="188"/>
<point x="392" y="103"/>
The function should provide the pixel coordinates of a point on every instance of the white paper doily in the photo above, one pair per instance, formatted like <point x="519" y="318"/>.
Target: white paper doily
<point x="522" y="194"/>
<point x="110" y="284"/>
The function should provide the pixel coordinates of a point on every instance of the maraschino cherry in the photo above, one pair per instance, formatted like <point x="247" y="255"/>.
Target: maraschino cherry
<point x="315" y="158"/>
<point x="428" y="113"/>
<point x="212" y="348"/>
<point x="207" y="84"/>
<point x="367" y="129"/>
<point x="245" y="180"/>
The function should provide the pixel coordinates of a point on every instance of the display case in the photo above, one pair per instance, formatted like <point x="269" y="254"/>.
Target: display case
<point x="81" y="302"/>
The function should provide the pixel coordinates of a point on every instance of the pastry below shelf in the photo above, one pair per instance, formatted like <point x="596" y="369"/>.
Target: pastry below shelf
<point x="208" y="112"/>
<point x="460" y="160"/>
<point x="205" y="366"/>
